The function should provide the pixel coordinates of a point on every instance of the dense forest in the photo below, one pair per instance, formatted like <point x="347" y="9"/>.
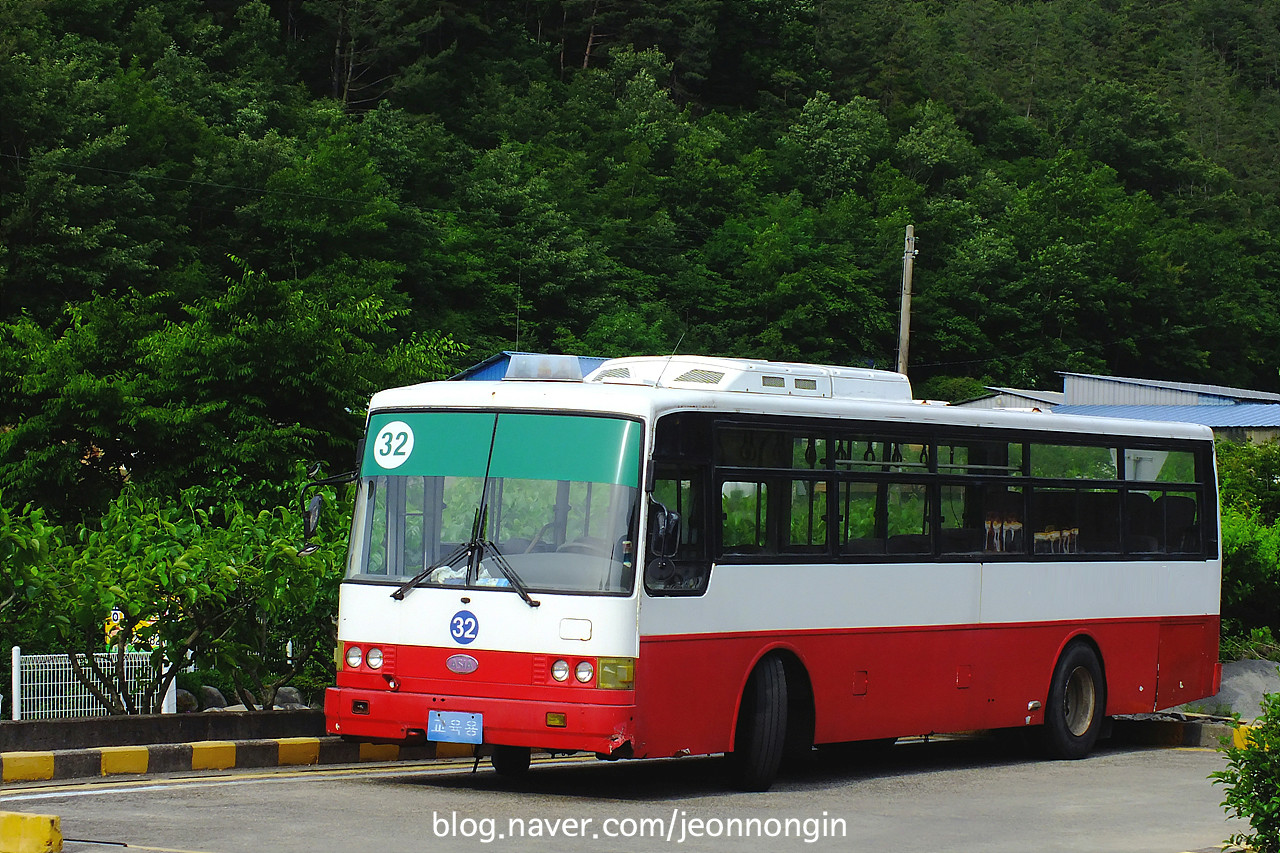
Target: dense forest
<point x="223" y="224"/>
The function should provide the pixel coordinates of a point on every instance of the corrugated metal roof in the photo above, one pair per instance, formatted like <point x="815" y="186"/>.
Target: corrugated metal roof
<point x="1192" y="387"/>
<point x="1240" y="415"/>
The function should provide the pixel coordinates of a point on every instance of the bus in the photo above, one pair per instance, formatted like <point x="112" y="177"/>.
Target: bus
<point x="685" y="555"/>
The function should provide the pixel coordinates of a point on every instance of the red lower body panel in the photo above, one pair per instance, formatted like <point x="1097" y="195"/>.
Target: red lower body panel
<point x="865" y="684"/>
<point x="877" y="683"/>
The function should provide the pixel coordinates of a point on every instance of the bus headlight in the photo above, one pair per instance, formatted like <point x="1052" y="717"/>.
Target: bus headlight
<point x="374" y="658"/>
<point x="355" y="657"/>
<point x="617" y="674"/>
<point x="560" y="670"/>
<point x="584" y="671"/>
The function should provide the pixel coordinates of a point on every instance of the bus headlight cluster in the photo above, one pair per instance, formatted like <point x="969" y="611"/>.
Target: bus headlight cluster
<point x="606" y="673"/>
<point x="357" y="656"/>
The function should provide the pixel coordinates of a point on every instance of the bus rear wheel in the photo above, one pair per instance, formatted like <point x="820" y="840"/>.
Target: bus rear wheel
<point x="760" y="739"/>
<point x="1077" y="703"/>
<point x="511" y="760"/>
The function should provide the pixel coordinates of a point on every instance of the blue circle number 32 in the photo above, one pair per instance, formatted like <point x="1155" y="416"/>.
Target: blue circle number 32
<point x="464" y="626"/>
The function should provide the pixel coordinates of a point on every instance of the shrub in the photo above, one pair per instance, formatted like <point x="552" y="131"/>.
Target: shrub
<point x="1252" y="781"/>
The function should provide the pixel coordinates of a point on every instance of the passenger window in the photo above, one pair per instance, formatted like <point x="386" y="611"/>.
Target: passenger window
<point x="857" y="513"/>
<point x="1073" y="462"/>
<point x="981" y="519"/>
<point x="745" y="527"/>
<point x="808" y="528"/>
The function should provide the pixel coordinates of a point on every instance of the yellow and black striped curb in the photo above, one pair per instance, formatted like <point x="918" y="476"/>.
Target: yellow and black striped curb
<point x="30" y="833"/>
<point x="40" y="766"/>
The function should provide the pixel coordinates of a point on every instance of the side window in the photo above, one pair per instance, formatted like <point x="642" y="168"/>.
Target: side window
<point x="1073" y="462"/>
<point x="688" y="571"/>
<point x="1076" y="521"/>
<point x="808" y="527"/>
<point x="745" y="509"/>
<point x="978" y="519"/>
<point x="908" y="519"/>
<point x="857" y="509"/>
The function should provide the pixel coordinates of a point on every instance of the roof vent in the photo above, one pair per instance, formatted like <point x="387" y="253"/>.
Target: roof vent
<point x="773" y="382"/>
<point x="615" y="373"/>
<point x="708" y="377"/>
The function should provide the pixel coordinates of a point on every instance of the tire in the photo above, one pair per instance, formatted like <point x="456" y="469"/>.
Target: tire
<point x="1077" y="704"/>
<point x="761" y="735"/>
<point x="511" y="760"/>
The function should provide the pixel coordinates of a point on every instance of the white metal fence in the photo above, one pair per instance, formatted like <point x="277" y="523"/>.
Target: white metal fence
<point x="44" y="686"/>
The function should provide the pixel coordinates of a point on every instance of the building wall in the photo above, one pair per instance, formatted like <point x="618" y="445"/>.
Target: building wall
<point x="1087" y="391"/>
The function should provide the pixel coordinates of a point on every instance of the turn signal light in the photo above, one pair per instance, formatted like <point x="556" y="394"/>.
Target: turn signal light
<point x="617" y="674"/>
<point x="557" y="719"/>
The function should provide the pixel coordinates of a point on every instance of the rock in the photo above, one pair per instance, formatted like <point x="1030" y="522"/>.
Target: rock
<point x="288" y="696"/>
<point x="211" y="697"/>
<point x="1243" y="684"/>
<point x="187" y="702"/>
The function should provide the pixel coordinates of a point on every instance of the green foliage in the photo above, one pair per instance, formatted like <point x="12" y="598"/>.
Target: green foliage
<point x="1259" y="644"/>
<point x="1250" y="572"/>
<point x="26" y="542"/>
<point x="214" y="585"/>
<point x="1252" y="781"/>
<point x="1249" y="478"/>
<point x="223" y="225"/>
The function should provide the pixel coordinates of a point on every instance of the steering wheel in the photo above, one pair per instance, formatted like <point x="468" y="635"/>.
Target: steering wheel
<point x="537" y="537"/>
<point x="584" y="546"/>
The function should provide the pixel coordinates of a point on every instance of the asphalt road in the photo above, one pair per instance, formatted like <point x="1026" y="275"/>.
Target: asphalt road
<point x="951" y="795"/>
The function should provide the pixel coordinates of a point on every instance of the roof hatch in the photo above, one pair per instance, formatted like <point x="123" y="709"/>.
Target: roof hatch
<point x="754" y="376"/>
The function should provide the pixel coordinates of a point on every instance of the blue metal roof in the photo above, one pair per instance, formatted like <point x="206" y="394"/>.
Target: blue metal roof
<point x="1239" y="415"/>
<point x="495" y="366"/>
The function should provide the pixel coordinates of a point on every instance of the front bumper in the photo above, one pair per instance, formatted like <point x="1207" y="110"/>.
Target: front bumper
<point x="400" y="717"/>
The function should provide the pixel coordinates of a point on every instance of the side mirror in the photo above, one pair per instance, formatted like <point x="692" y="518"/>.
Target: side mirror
<point x="664" y="532"/>
<point x="311" y="515"/>
<point x="311" y="519"/>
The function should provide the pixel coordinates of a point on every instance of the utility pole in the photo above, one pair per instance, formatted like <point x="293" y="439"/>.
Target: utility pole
<point x="904" y="320"/>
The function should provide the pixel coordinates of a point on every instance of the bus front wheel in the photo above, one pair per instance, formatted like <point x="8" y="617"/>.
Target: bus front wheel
<point x="511" y="760"/>
<point x="760" y="738"/>
<point x="1077" y="703"/>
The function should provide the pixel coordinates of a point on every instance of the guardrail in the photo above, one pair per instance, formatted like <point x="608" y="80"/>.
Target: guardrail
<point x="45" y="687"/>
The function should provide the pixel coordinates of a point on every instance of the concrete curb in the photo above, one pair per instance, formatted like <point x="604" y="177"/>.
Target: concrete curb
<point x="1186" y="733"/>
<point x="47" y="765"/>
<point x="30" y="833"/>
<point x="57" y="764"/>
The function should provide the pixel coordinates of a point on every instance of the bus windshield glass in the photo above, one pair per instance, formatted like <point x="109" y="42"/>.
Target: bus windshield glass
<point x="449" y="495"/>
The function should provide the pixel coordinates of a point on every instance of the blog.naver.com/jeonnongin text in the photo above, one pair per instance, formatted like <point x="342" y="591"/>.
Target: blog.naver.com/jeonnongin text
<point x="677" y="828"/>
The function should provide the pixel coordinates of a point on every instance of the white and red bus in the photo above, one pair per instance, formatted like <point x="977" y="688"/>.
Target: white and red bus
<point x="686" y="556"/>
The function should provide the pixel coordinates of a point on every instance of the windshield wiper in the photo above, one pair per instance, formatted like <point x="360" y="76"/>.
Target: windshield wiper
<point x="514" y="579"/>
<point x="463" y="551"/>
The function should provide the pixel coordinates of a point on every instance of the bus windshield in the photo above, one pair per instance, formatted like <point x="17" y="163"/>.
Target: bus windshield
<point x="448" y="495"/>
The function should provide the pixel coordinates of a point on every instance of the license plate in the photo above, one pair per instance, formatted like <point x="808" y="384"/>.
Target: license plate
<point x="455" y="727"/>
